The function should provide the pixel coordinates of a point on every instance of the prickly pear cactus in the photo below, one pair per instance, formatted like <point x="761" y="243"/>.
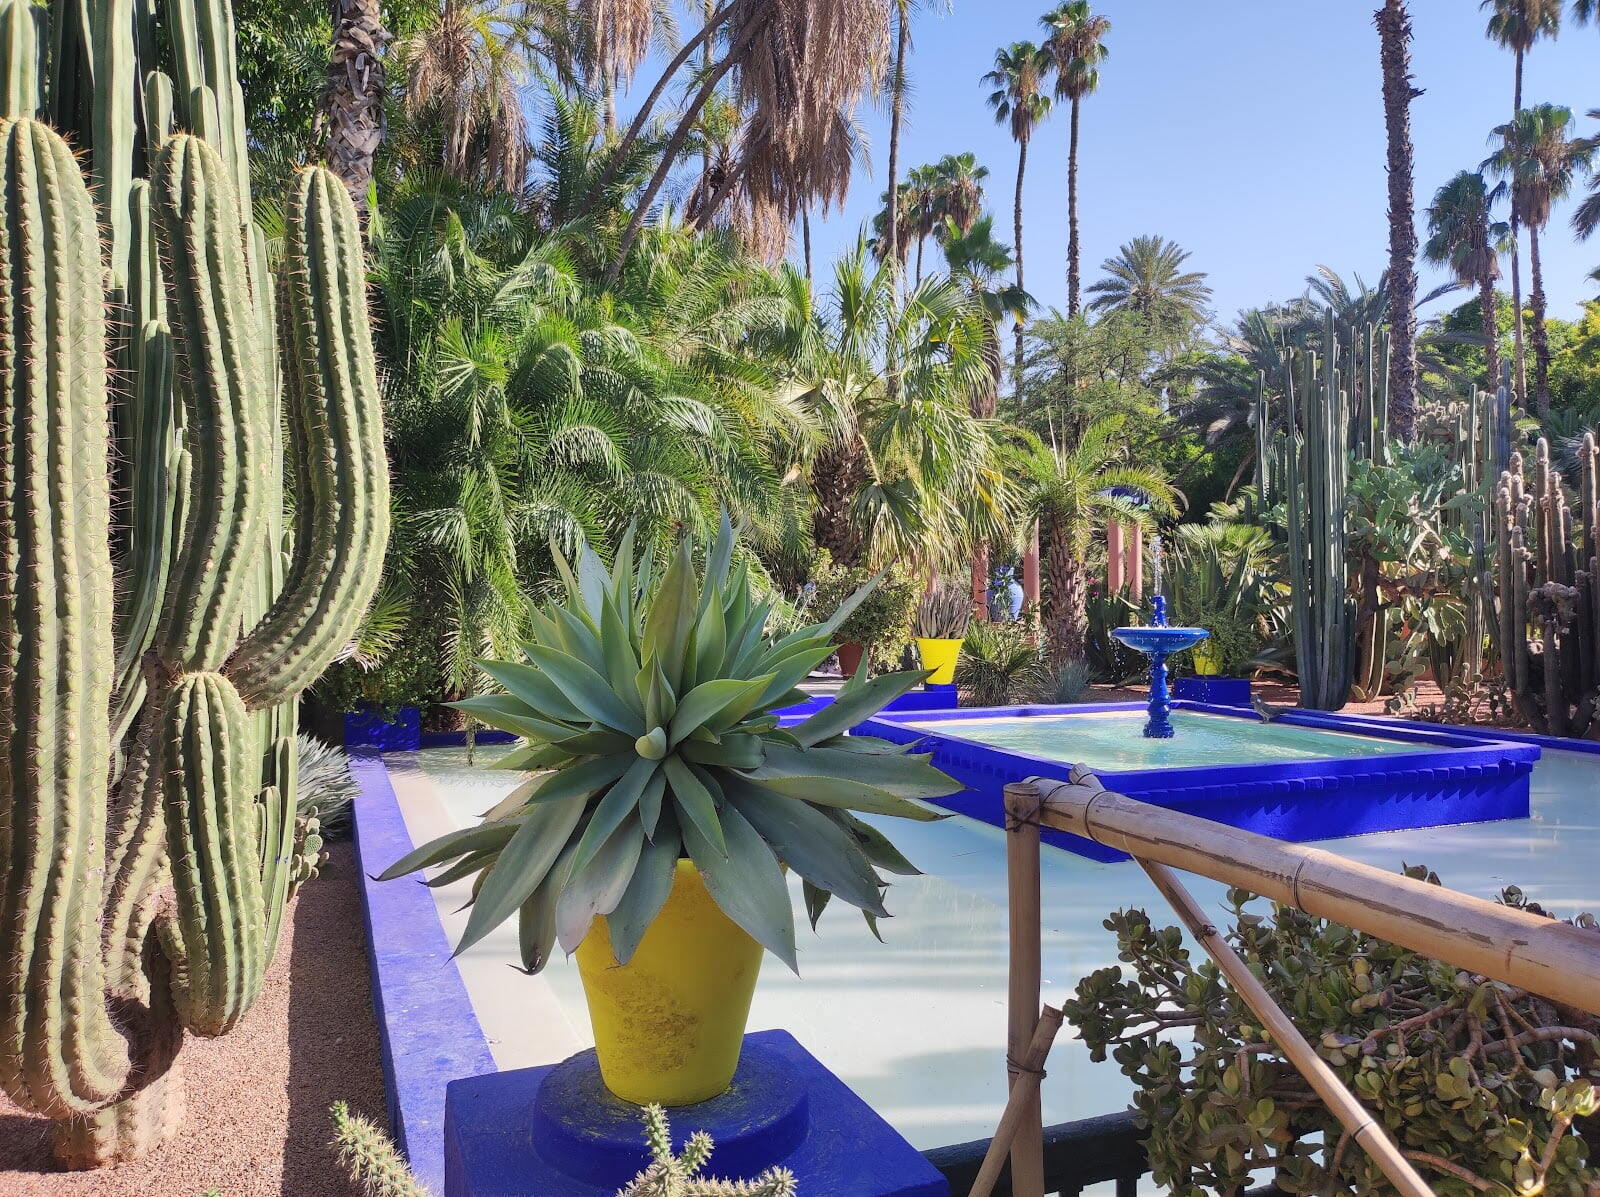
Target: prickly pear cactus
<point x="157" y="623"/>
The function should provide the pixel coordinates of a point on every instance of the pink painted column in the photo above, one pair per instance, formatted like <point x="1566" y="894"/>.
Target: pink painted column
<point x="1030" y="571"/>
<point x="1115" y="574"/>
<point x="1136" y="563"/>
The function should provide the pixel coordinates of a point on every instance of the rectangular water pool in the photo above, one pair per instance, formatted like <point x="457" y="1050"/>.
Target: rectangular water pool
<point x="1306" y="775"/>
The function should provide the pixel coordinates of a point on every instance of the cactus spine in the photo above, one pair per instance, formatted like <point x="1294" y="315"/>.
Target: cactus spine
<point x="1548" y="576"/>
<point x="146" y="801"/>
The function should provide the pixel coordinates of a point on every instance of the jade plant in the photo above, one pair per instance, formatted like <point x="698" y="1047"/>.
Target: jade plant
<point x="671" y="1174"/>
<point x="882" y="620"/>
<point x="1485" y="1087"/>
<point x="163" y="600"/>
<point x="648" y="704"/>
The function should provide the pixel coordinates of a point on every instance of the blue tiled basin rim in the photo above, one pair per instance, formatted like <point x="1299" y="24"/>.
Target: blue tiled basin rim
<point x="1454" y="776"/>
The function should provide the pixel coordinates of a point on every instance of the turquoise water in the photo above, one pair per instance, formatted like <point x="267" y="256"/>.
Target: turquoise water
<point x="1113" y="741"/>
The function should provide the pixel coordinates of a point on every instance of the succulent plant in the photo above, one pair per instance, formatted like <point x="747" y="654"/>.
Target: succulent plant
<point x="944" y="612"/>
<point x="373" y="1162"/>
<point x="650" y="706"/>
<point x="678" y="1175"/>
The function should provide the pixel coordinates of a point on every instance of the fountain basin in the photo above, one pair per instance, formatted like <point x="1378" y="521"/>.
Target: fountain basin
<point x="1307" y="775"/>
<point x="1160" y="639"/>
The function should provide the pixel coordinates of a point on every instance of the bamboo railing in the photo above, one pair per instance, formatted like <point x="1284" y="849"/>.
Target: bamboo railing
<point x="1544" y="956"/>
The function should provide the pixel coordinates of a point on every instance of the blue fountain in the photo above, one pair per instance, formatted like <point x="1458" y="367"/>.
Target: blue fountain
<point x="1157" y="641"/>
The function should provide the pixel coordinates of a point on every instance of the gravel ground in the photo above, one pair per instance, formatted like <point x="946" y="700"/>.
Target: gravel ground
<point x="258" y="1098"/>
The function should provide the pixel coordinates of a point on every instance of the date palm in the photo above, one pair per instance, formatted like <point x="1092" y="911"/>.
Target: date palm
<point x="352" y="102"/>
<point x="1517" y="25"/>
<point x="1074" y="40"/>
<point x="1587" y="217"/>
<point x="1020" y="103"/>
<point x="1394" y="37"/>
<point x="1464" y="236"/>
<point x="1072" y="490"/>
<point x="1542" y="162"/>
<point x="1147" y="278"/>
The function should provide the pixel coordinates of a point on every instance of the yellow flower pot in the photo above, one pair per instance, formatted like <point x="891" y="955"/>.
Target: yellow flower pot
<point x="1204" y="663"/>
<point x="668" y="1025"/>
<point x="941" y="657"/>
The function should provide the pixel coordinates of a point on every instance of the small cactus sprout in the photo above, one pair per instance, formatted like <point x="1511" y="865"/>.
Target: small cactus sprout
<point x="366" y="1153"/>
<point x="672" y="1175"/>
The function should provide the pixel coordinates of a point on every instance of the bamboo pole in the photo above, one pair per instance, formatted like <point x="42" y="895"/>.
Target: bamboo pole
<point x="1024" y="1093"/>
<point x="1360" y="1124"/>
<point x="1022" y="879"/>
<point x="1544" y="956"/>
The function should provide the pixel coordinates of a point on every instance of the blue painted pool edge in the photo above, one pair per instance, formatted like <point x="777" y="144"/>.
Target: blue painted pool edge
<point x="428" y="1031"/>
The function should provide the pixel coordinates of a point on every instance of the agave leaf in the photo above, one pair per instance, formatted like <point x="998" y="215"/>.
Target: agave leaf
<point x="825" y="629"/>
<point x="509" y="713"/>
<point x="903" y="776"/>
<point x="874" y="843"/>
<point x="811" y="844"/>
<point x="580" y="639"/>
<point x="533" y="687"/>
<point x="789" y="670"/>
<point x="856" y="703"/>
<point x="645" y="896"/>
<point x="721" y="555"/>
<point x="513" y="802"/>
<point x="650" y="802"/>
<point x="734" y="751"/>
<point x="521" y="866"/>
<point x="867" y="745"/>
<point x="597" y="742"/>
<point x="816" y="902"/>
<point x="568" y="578"/>
<point x="852" y="795"/>
<point x="709" y="702"/>
<point x="484" y="837"/>
<point x="660" y="700"/>
<point x="667" y="627"/>
<point x="620" y="801"/>
<point x="536" y="920"/>
<point x="535" y="756"/>
<point x="710" y="640"/>
<point x="749" y="641"/>
<point x="622" y="563"/>
<point x="464" y="867"/>
<point x="586" y="689"/>
<point x="621" y="661"/>
<point x="694" y="803"/>
<point x="598" y="887"/>
<point x="746" y="883"/>
<point x="582" y="779"/>
<point x="592" y="581"/>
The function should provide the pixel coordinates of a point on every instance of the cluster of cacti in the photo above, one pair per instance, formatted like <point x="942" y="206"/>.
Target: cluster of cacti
<point x="156" y="625"/>
<point x="373" y="1162"/>
<point x="1334" y="410"/>
<point x="1548" y="575"/>
<point x="678" y="1175"/>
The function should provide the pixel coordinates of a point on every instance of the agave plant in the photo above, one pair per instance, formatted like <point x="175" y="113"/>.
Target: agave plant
<point x="944" y="612"/>
<point x="649" y="708"/>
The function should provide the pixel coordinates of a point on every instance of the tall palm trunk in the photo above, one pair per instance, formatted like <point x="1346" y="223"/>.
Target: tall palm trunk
<point x="1016" y="228"/>
<point x="1065" y="601"/>
<point x="1394" y="32"/>
<point x="353" y="99"/>
<point x="1073" y="250"/>
<point x="1541" y="336"/>
<point x="805" y="237"/>
<point x="985" y="401"/>
<point x="837" y="476"/>
<point x="917" y="278"/>
<point x="1491" y="330"/>
<point x="1519" y="375"/>
<point x="897" y="104"/>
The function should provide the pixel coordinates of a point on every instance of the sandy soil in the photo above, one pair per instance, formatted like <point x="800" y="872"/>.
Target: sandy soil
<point x="259" y="1097"/>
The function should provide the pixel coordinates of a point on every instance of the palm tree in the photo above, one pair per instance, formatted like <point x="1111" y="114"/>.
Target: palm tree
<point x="353" y="100"/>
<point x="1587" y="218"/>
<point x="1076" y="49"/>
<point x="1517" y="25"/>
<point x="1072" y="490"/>
<point x="1464" y="236"/>
<point x="1147" y="278"/>
<point x="1542" y="161"/>
<point x="1394" y="36"/>
<point x="958" y="192"/>
<point x="1019" y="101"/>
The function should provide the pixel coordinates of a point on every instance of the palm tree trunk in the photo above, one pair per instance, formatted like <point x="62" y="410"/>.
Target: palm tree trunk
<point x="836" y="478"/>
<point x="1491" y="331"/>
<point x="897" y="103"/>
<point x="670" y="155"/>
<point x="1065" y="601"/>
<point x="1519" y="377"/>
<point x="1394" y="32"/>
<point x="1016" y="229"/>
<point x="353" y="99"/>
<point x="620" y="151"/>
<point x="805" y="237"/>
<point x="1074" y="251"/>
<point x="1541" y="335"/>
<point x="921" y="241"/>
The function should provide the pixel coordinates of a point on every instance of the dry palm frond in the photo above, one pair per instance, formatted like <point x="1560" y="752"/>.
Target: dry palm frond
<point x="617" y="33"/>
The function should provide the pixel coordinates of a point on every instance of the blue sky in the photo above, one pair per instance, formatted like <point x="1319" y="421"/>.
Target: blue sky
<point x="1250" y="131"/>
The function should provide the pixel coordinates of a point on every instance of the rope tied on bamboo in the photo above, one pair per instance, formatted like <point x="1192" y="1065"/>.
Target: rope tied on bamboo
<point x="1015" y="1067"/>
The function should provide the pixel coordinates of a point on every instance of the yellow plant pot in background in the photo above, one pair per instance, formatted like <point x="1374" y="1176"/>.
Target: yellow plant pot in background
<point x="941" y="657"/>
<point x="668" y="1025"/>
<point x="1204" y="663"/>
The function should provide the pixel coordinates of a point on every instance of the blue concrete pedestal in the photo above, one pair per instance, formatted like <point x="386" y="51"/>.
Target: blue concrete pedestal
<point x="1213" y="690"/>
<point x="556" y="1132"/>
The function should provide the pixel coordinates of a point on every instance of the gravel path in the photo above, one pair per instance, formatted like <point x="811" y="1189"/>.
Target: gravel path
<point x="259" y="1097"/>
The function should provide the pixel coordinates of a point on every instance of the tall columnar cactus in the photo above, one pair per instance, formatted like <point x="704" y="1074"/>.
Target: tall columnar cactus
<point x="1548" y="575"/>
<point x="156" y="626"/>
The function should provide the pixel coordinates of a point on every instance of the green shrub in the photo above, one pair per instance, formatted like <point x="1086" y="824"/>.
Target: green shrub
<point x="406" y="677"/>
<point x="1463" y="1071"/>
<point x="1001" y="664"/>
<point x="882" y="621"/>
